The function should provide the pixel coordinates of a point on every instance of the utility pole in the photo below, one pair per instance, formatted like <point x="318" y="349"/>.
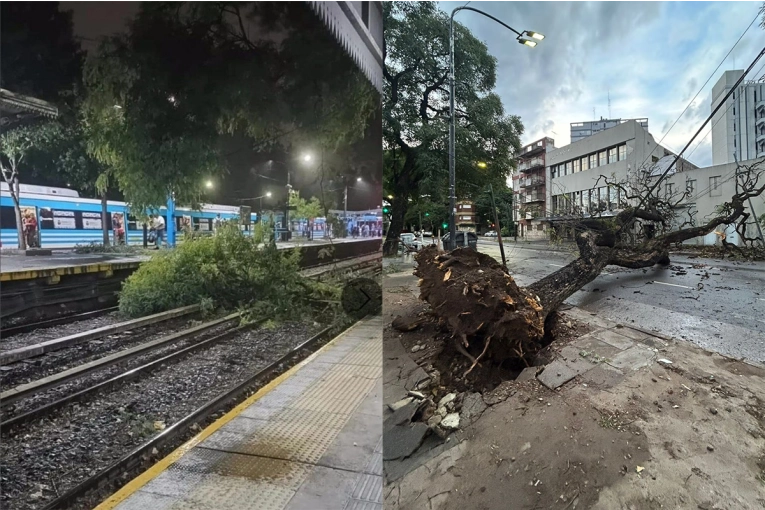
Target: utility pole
<point x="497" y="227"/>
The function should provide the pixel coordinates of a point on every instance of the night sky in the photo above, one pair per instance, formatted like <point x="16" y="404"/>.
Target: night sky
<point x="94" y="20"/>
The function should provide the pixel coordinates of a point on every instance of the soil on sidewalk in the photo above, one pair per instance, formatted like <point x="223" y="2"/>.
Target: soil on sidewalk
<point x="690" y="434"/>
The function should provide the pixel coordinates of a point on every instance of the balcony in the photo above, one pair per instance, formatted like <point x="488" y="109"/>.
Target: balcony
<point x="532" y="181"/>
<point x="532" y="151"/>
<point x="760" y="138"/>
<point x="760" y="106"/>
<point x="760" y="122"/>
<point x="533" y="197"/>
<point x="527" y="165"/>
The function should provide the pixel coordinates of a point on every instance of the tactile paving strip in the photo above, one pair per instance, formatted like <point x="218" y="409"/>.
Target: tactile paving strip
<point x="259" y="459"/>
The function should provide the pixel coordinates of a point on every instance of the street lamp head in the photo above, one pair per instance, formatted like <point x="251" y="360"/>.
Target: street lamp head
<point x="209" y="184"/>
<point x="481" y="164"/>
<point x="534" y="35"/>
<point x="527" y="42"/>
<point x="358" y="179"/>
<point x="268" y="194"/>
<point x="306" y="157"/>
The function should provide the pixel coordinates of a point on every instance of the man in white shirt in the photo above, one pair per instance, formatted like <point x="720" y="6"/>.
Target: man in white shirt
<point x="158" y="224"/>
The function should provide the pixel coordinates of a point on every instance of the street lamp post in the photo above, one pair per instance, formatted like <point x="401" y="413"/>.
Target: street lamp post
<point x="521" y="38"/>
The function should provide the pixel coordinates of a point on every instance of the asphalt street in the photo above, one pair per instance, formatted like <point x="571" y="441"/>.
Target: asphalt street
<point x="718" y="305"/>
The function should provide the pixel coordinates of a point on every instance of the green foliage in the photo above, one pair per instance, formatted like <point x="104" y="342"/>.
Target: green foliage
<point x="415" y="110"/>
<point x="306" y="209"/>
<point x="185" y="73"/>
<point x="100" y="248"/>
<point x="231" y="270"/>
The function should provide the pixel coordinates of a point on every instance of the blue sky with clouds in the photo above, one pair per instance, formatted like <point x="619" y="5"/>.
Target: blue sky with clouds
<point x="651" y="56"/>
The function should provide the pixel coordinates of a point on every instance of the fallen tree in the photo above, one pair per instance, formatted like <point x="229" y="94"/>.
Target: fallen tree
<point x="491" y="317"/>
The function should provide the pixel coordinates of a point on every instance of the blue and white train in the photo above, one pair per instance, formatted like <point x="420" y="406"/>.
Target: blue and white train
<point x="65" y="219"/>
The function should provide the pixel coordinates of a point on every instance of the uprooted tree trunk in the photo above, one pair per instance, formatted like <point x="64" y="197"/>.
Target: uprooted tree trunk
<point x="491" y="317"/>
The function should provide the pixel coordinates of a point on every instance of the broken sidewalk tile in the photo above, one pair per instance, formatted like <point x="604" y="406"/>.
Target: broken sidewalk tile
<point x="603" y="375"/>
<point x="611" y="337"/>
<point x="402" y="415"/>
<point x="395" y="406"/>
<point x="505" y="390"/>
<point x="633" y="358"/>
<point x="449" y="397"/>
<point x="417" y="377"/>
<point x="402" y="441"/>
<point x="473" y="407"/>
<point x="527" y="374"/>
<point x="558" y="373"/>
<point x="451" y="421"/>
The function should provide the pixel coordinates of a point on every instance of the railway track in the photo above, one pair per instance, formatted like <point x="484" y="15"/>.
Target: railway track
<point x="173" y="436"/>
<point x="21" y="403"/>
<point x="64" y="319"/>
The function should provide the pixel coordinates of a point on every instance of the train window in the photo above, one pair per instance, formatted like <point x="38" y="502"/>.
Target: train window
<point x="133" y="223"/>
<point x="58" y="219"/>
<point x="7" y="217"/>
<point x="92" y="221"/>
<point x="202" y="224"/>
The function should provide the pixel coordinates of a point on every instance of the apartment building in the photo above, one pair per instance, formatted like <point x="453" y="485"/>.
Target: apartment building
<point x="529" y="186"/>
<point x="574" y="172"/>
<point x="581" y="130"/>
<point x="738" y="128"/>
<point x="466" y="216"/>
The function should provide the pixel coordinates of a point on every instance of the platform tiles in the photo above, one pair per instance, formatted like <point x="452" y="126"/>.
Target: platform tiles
<point x="312" y="442"/>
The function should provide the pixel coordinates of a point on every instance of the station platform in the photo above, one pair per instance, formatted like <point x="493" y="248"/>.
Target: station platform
<point x="309" y="440"/>
<point x="19" y="267"/>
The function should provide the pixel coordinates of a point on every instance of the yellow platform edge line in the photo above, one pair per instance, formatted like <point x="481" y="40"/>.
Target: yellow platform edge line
<point x="154" y="471"/>
<point x="33" y="274"/>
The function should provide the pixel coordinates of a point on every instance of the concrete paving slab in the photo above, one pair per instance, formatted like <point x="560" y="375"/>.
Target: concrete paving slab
<point x="527" y="374"/>
<point x="604" y="376"/>
<point x="633" y="358"/>
<point x="402" y="415"/>
<point x="403" y="440"/>
<point x="611" y="337"/>
<point x="473" y="407"/>
<point x="632" y="334"/>
<point x="558" y="373"/>
<point x="324" y="488"/>
<point x="594" y="348"/>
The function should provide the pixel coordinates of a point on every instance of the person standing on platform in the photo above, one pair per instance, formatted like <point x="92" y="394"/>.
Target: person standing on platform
<point x="158" y="224"/>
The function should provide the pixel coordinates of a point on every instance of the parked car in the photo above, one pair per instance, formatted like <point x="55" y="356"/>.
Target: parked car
<point x="472" y="239"/>
<point x="427" y="233"/>
<point x="490" y="233"/>
<point x="411" y="241"/>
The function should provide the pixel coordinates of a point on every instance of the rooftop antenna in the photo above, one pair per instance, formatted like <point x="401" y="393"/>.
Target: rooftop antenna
<point x="609" y="104"/>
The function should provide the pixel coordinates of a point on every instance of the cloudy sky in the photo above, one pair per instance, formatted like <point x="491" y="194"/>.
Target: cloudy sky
<point x="651" y="56"/>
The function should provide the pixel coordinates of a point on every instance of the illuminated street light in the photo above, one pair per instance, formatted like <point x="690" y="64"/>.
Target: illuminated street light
<point x="268" y="194"/>
<point x="452" y="172"/>
<point x="209" y="184"/>
<point x="358" y="179"/>
<point x="307" y="158"/>
<point x="481" y="164"/>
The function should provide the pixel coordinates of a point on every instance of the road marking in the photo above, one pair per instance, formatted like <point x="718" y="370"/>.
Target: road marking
<point x="761" y="299"/>
<point x="673" y="285"/>
<point x="556" y="265"/>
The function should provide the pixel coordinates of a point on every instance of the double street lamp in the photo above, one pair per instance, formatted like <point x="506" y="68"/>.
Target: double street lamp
<point x="527" y="38"/>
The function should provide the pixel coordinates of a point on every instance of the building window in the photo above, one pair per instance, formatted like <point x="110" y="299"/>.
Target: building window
<point x="552" y="172"/>
<point x="585" y="163"/>
<point x="691" y="186"/>
<point x="567" y="170"/>
<point x="669" y="190"/>
<point x="602" y="158"/>
<point x="612" y="155"/>
<point x="714" y="186"/>
<point x="576" y="166"/>
<point x="586" y="201"/>
<point x="622" y="152"/>
<point x="593" y="161"/>
<point x="365" y="13"/>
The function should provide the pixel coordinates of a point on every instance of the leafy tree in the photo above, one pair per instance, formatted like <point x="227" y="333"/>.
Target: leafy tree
<point x="15" y="146"/>
<point x="503" y="199"/>
<point x="306" y="209"/>
<point x="186" y="73"/>
<point x="415" y="110"/>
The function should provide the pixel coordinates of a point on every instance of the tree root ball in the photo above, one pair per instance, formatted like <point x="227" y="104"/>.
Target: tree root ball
<point x="488" y="315"/>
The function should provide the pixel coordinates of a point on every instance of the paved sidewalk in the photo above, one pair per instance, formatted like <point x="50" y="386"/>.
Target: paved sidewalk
<point x="620" y="419"/>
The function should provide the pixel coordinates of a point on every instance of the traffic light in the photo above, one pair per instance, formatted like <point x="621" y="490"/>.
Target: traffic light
<point x="427" y="214"/>
<point x="444" y="226"/>
<point x="386" y="210"/>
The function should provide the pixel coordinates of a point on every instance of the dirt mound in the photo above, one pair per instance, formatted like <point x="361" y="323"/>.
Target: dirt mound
<point x="489" y="316"/>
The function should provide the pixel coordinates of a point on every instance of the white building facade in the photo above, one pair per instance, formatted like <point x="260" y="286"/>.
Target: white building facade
<point x="581" y="130"/>
<point x="575" y="185"/>
<point x="738" y="128"/>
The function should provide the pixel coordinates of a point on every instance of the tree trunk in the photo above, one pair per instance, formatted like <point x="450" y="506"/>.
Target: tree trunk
<point x="400" y="201"/>
<point x="104" y="219"/>
<point x="15" y="189"/>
